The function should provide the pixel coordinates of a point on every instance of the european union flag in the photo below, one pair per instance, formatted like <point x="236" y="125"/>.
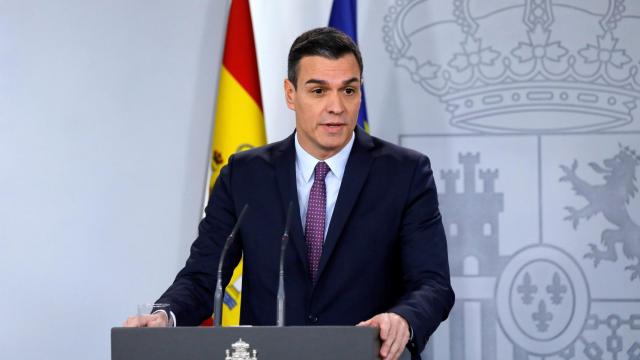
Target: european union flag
<point x="344" y="17"/>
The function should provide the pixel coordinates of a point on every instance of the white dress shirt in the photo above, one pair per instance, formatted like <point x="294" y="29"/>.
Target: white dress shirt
<point x="305" y="169"/>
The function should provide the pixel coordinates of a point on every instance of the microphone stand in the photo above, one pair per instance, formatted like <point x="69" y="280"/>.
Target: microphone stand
<point x="217" y="298"/>
<point x="283" y="247"/>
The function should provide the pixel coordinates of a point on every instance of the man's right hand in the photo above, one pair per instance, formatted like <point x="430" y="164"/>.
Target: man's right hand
<point x="158" y="319"/>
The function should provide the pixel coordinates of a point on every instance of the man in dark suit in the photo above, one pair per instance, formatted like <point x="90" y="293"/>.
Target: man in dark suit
<point x="367" y="243"/>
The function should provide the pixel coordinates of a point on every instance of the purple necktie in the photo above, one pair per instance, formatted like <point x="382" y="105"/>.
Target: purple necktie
<point x="316" y="214"/>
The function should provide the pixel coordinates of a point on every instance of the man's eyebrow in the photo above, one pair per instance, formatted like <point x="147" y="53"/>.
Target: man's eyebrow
<point x="316" y="81"/>
<point x="349" y="81"/>
<point x="325" y="82"/>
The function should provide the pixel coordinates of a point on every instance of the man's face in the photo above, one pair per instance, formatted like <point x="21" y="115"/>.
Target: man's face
<point x="326" y="102"/>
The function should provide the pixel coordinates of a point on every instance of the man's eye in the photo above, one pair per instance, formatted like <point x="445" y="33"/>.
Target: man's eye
<point x="350" y="91"/>
<point x="318" y="91"/>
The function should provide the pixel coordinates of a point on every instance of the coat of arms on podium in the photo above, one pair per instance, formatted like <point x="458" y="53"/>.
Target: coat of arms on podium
<point x="241" y="351"/>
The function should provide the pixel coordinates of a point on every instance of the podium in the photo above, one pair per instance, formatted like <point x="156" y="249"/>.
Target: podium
<point x="269" y="343"/>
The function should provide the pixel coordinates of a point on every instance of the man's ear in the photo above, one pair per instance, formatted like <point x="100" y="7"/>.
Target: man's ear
<point x="289" y="94"/>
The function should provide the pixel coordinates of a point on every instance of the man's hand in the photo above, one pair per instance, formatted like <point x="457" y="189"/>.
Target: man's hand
<point x="158" y="319"/>
<point x="394" y="333"/>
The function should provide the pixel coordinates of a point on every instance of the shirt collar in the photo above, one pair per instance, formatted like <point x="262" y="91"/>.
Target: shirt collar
<point x="306" y="163"/>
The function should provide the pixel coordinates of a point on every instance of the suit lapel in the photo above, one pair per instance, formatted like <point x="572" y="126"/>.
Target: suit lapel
<point x="285" y="164"/>
<point x="355" y="175"/>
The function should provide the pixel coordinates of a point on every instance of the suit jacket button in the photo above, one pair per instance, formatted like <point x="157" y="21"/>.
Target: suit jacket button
<point x="313" y="318"/>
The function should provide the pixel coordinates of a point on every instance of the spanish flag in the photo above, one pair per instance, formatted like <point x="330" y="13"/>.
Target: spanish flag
<point x="238" y="124"/>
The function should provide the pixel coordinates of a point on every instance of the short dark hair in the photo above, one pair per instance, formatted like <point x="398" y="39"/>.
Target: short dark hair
<point x="327" y="42"/>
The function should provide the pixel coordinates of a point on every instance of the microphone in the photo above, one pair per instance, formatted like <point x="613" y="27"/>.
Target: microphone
<point x="283" y="247"/>
<point x="217" y="298"/>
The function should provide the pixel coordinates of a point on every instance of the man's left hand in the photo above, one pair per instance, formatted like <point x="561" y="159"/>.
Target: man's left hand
<point x="394" y="333"/>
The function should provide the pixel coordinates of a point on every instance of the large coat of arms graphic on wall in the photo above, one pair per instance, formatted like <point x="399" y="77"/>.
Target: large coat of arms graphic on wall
<point x="538" y="168"/>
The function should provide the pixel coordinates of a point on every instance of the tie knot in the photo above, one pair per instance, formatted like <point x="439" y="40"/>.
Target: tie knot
<point x="321" y="171"/>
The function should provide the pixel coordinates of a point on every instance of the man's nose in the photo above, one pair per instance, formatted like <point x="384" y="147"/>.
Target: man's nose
<point x="334" y="103"/>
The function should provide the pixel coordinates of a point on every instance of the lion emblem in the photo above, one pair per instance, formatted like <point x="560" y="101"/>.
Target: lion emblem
<point x="611" y="200"/>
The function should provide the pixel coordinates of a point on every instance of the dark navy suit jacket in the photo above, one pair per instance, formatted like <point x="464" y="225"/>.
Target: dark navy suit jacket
<point x="385" y="249"/>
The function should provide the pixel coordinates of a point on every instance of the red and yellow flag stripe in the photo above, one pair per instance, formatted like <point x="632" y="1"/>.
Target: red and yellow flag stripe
<point x="239" y="121"/>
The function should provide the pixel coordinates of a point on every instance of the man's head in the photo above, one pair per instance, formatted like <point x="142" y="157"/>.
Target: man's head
<point x="323" y="88"/>
<point x="325" y="42"/>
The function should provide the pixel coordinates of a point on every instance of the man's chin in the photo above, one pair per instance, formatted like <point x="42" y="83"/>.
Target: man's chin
<point x="334" y="145"/>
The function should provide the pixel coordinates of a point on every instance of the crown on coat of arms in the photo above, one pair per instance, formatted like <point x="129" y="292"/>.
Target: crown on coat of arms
<point x="491" y="62"/>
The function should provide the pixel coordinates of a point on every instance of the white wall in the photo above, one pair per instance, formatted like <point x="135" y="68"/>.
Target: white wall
<point x="105" y="119"/>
